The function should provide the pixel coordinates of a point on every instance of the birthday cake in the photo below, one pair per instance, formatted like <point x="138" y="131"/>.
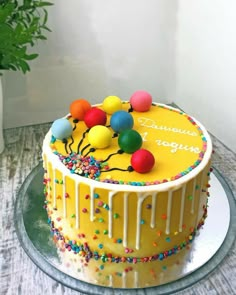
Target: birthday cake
<point x="126" y="182"/>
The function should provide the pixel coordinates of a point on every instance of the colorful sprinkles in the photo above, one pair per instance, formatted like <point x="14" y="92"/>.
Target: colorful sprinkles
<point x="84" y="250"/>
<point x="81" y="165"/>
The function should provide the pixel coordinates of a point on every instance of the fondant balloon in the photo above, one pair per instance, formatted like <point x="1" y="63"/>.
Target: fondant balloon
<point x="112" y="104"/>
<point x="78" y="108"/>
<point x="141" y="101"/>
<point x="95" y="116"/>
<point x="121" y="120"/>
<point x="142" y="161"/>
<point x="130" y="141"/>
<point x="99" y="137"/>
<point x="61" y="129"/>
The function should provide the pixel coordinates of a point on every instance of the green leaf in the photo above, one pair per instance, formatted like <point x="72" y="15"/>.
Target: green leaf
<point x="45" y="19"/>
<point x="35" y="20"/>
<point x="6" y="11"/>
<point x="6" y="32"/>
<point x="6" y="60"/>
<point x="41" y="37"/>
<point x="46" y="28"/>
<point x="43" y="3"/>
<point x="24" y="66"/>
<point x="21" y="52"/>
<point x="28" y="17"/>
<point x="26" y="3"/>
<point x="22" y="24"/>
<point x="31" y="56"/>
<point x="18" y="29"/>
<point x="12" y="67"/>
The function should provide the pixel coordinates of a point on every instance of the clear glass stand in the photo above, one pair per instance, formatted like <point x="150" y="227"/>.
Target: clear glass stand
<point x="208" y="249"/>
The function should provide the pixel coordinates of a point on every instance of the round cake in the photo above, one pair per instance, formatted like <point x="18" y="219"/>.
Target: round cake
<point x="126" y="182"/>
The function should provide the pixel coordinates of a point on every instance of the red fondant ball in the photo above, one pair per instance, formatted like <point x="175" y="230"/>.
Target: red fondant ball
<point x="142" y="161"/>
<point x="141" y="101"/>
<point x="94" y="117"/>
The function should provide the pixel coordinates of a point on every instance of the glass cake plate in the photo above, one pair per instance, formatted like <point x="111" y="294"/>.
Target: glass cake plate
<point x="208" y="249"/>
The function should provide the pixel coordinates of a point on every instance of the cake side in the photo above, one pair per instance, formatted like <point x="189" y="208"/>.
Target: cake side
<point x="125" y="274"/>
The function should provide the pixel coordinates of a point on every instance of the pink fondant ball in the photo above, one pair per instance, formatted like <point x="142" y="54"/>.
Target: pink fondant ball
<point x="95" y="116"/>
<point x="141" y="101"/>
<point x="142" y="161"/>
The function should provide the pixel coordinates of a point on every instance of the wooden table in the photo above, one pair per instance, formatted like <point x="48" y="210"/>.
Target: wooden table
<point x="19" y="275"/>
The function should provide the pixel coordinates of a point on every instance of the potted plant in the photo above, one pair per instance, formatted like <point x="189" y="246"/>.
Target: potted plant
<point x="22" y="24"/>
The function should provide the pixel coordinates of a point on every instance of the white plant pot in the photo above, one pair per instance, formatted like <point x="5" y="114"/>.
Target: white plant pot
<point x="1" y="118"/>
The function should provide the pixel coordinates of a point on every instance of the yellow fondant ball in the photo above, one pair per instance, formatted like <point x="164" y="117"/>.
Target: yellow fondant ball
<point x="99" y="137"/>
<point x="112" y="104"/>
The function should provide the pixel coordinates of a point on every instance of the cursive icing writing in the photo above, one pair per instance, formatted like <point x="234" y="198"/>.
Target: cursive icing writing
<point x="149" y="123"/>
<point x="174" y="146"/>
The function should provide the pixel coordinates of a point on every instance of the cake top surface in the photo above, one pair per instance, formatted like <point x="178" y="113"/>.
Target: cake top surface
<point x="161" y="145"/>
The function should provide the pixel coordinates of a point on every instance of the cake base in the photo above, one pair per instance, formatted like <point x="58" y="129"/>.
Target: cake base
<point x="207" y="251"/>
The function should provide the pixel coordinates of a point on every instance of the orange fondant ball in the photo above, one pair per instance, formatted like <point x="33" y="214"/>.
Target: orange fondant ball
<point x="78" y="108"/>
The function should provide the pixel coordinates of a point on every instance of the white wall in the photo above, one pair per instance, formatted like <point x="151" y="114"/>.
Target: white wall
<point x="178" y="50"/>
<point x="206" y="65"/>
<point x="96" y="49"/>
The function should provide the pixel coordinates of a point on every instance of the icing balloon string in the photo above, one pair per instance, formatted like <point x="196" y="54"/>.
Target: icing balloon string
<point x="129" y="169"/>
<point x="75" y="121"/>
<point x="130" y="110"/>
<point x="84" y="148"/>
<point x="119" y="152"/>
<point x="81" y="141"/>
<point x="91" y="150"/>
<point x="65" y="141"/>
<point x="72" y="141"/>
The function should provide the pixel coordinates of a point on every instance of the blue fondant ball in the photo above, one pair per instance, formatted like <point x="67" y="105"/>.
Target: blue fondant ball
<point x="61" y="129"/>
<point x="121" y="120"/>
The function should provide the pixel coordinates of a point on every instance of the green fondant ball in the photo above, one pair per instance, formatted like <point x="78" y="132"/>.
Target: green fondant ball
<point x="130" y="141"/>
